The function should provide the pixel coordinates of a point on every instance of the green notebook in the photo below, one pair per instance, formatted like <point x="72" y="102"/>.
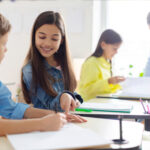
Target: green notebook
<point x="107" y="107"/>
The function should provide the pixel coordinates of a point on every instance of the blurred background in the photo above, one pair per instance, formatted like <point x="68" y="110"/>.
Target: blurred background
<point x="85" y="20"/>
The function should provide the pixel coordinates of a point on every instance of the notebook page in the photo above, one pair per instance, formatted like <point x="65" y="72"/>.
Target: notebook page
<point x="135" y="87"/>
<point x="70" y="136"/>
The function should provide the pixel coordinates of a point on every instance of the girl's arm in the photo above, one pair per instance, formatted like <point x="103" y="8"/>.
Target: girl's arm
<point x="41" y="99"/>
<point x="48" y="123"/>
<point x="92" y="82"/>
<point x="62" y="102"/>
<point x="45" y="101"/>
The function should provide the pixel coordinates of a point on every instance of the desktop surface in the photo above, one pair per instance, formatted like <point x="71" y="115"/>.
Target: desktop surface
<point x="108" y="129"/>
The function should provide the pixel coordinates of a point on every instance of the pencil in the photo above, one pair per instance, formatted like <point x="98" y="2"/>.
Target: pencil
<point x="143" y="105"/>
<point x="56" y="108"/>
<point x="148" y="109"/>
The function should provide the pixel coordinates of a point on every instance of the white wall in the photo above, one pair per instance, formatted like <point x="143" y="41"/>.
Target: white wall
<point x="78" y="16"/>
<point x="128" y="18"/>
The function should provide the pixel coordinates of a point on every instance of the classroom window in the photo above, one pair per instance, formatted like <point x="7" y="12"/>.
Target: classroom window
<point x="128" y="18"/>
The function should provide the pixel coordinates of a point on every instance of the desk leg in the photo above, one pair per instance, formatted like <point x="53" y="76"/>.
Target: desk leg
<point x="147" y="124"/>
<point x="120" y="140"/>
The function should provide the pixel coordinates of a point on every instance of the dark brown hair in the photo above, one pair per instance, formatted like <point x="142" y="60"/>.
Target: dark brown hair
<point x="40" y="76"/>
<point x="109" y="36"/>
<point x="5" y="26"/>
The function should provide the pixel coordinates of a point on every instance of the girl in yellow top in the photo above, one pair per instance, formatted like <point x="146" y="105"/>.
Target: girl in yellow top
<point x="96" y="76"/>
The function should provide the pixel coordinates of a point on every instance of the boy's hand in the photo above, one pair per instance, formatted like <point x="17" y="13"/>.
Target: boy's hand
<point x="53" y="122"/>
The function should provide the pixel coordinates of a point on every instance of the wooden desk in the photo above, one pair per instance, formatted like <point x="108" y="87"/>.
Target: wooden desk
<point x="109" y="129"/>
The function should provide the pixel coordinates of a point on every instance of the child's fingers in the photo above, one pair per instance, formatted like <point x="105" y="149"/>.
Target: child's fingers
<point x="64" y="121"/>
<point x="67" y="107"/>
<point x="77" y="103"/>
<point x="73" y="105"/>
<point x="121" y="79"/>
<point x="83" y="119"/>
<point x="63" y="115"/>
<point x="75" y="118"/>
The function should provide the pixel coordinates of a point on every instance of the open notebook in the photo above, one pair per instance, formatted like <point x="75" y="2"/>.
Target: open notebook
<point x="70" y="136"/>
<point x="132" y="88"/>
<point x="107" y="107"/>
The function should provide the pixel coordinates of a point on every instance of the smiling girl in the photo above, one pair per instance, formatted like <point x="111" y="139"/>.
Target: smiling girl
<point x="96" y="76"/>
<point x="12" y="112"/>
<point x="48" y="80"/>
<point x="44" y="120"/>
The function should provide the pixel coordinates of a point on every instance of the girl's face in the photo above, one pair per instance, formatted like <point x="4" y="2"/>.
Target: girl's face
<point x="109" y="50"/>
<point x="3" y="42"/>
<point x="47" y="40"/>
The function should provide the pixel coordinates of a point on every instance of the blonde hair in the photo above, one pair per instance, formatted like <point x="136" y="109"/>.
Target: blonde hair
<point x="5" y="26"/>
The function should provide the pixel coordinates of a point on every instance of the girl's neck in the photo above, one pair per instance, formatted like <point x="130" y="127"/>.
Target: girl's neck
<point x="108" y="60"/>
<point x="51" y="61"/>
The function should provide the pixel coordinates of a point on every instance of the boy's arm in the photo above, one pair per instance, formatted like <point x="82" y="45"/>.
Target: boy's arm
<point x="18" y="126"/>
<point x="48" y="123"/>
<point x="36" y="113"/>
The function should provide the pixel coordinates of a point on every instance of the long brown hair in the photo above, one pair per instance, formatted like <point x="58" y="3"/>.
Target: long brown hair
<point x="40" y="76"/>
<point x="109" y="36"/>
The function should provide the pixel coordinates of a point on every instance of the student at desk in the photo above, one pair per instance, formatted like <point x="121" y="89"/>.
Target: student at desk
<point x="46" y="120"/>
<point x="96" y="76"/>
<point x="47" y="76"/>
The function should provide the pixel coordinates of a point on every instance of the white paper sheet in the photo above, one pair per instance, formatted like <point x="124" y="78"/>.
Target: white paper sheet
<point x="70" y="136"/>
<point x="135" y="87"/>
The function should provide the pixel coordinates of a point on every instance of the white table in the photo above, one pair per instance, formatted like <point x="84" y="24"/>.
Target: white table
<point x="109" y="129"/>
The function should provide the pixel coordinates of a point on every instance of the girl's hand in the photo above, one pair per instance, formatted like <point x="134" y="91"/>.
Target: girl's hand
<point x="77" y="102"/>
<point x="67" y="102"/>
<point x="75" y="118"/>
<point x="52" y="122"/>
<point x="116" y="79"/>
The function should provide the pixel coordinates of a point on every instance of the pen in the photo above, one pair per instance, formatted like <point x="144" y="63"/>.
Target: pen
<point x="56" y="108"/>
<point x="147" y="107"/>
<point x="85" y="110"/>
<point x="143" y="105"/>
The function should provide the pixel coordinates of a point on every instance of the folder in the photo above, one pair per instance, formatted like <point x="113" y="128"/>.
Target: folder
<point x="107" y="107"/>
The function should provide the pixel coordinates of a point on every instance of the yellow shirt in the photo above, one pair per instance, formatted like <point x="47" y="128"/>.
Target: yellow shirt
<point x="94" y="77"/>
